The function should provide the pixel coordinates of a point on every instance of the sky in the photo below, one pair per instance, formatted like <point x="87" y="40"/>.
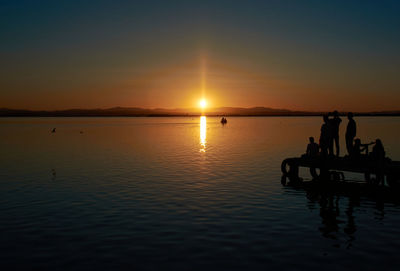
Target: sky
<point x="299" y="55"/>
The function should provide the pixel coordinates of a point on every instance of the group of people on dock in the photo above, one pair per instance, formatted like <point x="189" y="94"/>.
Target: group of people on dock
<point x="329" y="139"/>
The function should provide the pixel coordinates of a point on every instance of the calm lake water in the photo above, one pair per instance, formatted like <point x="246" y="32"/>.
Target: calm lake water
<point x="182" y="194"/>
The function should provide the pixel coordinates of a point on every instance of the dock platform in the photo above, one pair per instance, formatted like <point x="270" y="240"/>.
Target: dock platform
<point x="332" y="168"/>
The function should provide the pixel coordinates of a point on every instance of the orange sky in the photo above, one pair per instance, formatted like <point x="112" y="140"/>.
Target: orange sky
<point x="300" y="57"/>
<point x="224" y="83"/>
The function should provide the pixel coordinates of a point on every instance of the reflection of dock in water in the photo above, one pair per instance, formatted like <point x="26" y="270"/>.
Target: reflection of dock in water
<point x="345" y="189"/>
<point x="342" y="205"/>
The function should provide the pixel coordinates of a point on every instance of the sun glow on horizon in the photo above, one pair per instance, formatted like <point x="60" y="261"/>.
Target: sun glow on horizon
<point x="203" y="103"/>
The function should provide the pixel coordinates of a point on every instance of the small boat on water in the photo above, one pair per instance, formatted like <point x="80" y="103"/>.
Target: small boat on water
<point x="224" y="120"/>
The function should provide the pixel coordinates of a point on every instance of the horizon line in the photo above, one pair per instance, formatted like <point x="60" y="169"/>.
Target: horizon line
<point x="179" y="112"/>
<point x="195" y="109"/>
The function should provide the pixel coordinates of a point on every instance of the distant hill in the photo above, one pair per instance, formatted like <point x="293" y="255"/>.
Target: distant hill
<point x="254" y="111"/>
<point x="138" y="112"/>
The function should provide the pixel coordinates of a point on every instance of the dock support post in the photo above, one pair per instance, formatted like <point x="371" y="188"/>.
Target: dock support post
<point x="290" y="169"/>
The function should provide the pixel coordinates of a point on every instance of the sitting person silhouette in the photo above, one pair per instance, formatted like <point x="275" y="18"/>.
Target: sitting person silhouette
<point x="378" y="156"/>
<point x="358" y="148"/>
<point x="312" y="148"/>
<point x="378" y="151"/>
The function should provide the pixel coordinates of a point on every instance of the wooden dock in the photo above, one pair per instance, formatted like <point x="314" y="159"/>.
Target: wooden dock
<point x="333" y="168"/>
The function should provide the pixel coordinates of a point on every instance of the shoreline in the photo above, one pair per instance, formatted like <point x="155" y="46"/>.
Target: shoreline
<point x="189" y="115"/>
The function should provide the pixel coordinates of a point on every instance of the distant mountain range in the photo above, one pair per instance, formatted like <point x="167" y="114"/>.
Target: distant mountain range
<point x="139" y="112"/>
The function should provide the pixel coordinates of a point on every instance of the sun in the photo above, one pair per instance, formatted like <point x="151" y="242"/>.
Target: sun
<point x="203" y="103"/>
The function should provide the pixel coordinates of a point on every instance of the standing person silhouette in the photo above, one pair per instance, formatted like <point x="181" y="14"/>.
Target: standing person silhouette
<point x="351" y="132"/>
<point x="335" y="123"/>
<point x="325" y="137"/>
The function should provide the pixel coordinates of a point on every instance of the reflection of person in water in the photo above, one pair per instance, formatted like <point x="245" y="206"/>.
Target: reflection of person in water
<point x="312" y="148"/>
<point x="351" y="132"/>
<point x="335" y="123"/>
<point x="329" y="212"/>
<point x="350" y="227"/>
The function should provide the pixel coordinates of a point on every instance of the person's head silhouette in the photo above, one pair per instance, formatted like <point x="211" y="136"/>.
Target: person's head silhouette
<point x="335" y="113"/>
<point x="311" y="139"/>
<point x="350" y="115"/>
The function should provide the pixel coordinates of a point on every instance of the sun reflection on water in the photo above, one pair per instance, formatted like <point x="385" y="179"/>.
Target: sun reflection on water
<point x="203" y="133"/>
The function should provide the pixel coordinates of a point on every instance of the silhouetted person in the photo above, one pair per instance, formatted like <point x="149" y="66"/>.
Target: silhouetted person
<point x="378" y="152"/>
<point x="312" y="148"/>
<point x="54" y="130"/>
<point x="325" y="137"/>
<point x="351" y="132"/>
<point x="378" y="156"/>
<point x="358" y="148"/>
<point x="335" y="122"/>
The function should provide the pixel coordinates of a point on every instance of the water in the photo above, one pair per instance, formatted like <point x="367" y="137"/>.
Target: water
<point x="182" y="194"/>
